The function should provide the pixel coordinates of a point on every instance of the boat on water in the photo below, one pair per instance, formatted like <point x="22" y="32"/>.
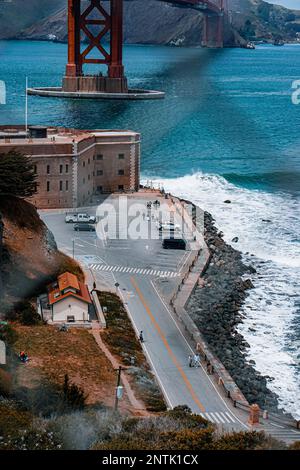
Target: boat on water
<point x="250" y="45"/>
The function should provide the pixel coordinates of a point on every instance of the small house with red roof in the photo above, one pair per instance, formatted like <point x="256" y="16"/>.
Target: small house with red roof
<point x="69" y="300"/>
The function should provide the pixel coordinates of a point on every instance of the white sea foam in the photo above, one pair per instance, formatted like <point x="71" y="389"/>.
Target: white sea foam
<point x="268" y="228"/>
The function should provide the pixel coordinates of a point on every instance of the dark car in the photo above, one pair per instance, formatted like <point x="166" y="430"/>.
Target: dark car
<point x="174" y="244"/>
<point x="84" y="228"/>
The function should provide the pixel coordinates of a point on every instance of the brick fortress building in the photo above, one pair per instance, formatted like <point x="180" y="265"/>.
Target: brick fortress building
<point x="73" y="165"/>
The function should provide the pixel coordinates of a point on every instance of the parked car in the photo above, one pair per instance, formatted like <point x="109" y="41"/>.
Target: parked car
<point x="81" y="218"/>
<point x="84" y="228"/>
<point x="174" y="244"/>
<point x="168" y="227"/>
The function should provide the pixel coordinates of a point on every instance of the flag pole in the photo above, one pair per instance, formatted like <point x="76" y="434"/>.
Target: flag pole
<point x="26" y="106"/>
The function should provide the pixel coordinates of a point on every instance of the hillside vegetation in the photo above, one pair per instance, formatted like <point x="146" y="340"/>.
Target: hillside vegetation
<point x="20" y="14"/>
<point x="155" y="22"/>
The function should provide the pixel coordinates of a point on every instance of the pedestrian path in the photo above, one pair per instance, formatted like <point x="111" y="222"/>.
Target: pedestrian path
<point x="133" y="271"/>
<point x="280" y="432"/>
<point x="219" y="417"/>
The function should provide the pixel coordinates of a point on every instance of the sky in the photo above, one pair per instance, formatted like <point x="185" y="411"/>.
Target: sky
<point x="294" y="4"/>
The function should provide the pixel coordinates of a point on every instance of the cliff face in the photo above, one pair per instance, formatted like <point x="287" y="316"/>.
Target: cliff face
<point x="28" y="253"/>
<point x="155" y="22"/>
<point x="20" y="14"/>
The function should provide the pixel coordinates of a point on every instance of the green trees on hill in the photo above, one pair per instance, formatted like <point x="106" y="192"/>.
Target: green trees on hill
<point x="17" y="175"/>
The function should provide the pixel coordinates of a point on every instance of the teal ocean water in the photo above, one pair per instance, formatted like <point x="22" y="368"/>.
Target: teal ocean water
<point x="226" y="130"/>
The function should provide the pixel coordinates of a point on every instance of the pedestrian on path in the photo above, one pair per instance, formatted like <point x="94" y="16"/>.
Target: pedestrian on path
<point x="197" y="360"/>
<point x="191" y="364"/>
<point x="141" y="337"/>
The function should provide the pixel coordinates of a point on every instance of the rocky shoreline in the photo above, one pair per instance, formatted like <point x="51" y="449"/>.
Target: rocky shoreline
<point x="215" y="308"/>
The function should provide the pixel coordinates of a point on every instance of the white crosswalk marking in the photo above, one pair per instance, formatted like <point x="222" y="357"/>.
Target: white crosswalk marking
<point x="219" y="417"/>
<point x="125" y="269"/>
<point x="230" y="417"/>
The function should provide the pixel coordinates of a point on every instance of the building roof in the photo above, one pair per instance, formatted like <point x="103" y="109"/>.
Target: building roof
<point x="68" y="280"/>
<point x="56" y="291"/>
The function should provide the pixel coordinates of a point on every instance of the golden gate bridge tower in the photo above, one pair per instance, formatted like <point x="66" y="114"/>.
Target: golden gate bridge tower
<point x="107" y="23"/>
<point x="95" y="36"/>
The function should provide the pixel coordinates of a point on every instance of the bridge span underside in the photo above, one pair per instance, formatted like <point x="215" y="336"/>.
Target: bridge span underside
<point x="93" y="22"/>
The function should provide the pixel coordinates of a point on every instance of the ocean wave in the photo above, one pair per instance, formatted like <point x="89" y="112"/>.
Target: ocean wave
<point x="285" y="180"/>
<point x="267" y="226"/>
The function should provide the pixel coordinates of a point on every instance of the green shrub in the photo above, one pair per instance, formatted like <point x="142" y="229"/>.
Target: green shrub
<point x="27" y="314"/>
<point x="8" y="334"/>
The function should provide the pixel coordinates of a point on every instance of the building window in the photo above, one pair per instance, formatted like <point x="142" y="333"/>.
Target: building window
<point x="70" y="319"/>
<point x="99" y="172"/>
<point x="48" y="186"/>
<point x="121" y="172"/>
<point x="89" y="177"/>
<point x="67" y="185"/>
<point x="60" y="185"/>
<point x="121" y="156"/>
<point x="83" y="164"/>
<point x="67" y="168"/>
<point x="99" y="156"/>
<point x="121" y="187"/>
<point x="89" y="161"/>
<point x="60" y="169"/>
<point x="35" y="169"/>
<point x="48" y="169"/>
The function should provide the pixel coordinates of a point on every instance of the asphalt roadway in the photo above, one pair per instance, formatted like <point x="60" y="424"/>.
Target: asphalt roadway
<point x="132" y="268"/>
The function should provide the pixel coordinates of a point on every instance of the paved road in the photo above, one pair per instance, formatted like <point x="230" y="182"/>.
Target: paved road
<point x="136" y="266"/>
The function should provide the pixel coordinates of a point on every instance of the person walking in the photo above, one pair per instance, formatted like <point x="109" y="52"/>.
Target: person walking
<point x="191" y="361"/>
<point x="197" y="360"/>
<point x="141" y="337"/>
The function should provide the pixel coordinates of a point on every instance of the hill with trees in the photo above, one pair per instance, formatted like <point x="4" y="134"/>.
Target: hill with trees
<point x="155" y="22"/>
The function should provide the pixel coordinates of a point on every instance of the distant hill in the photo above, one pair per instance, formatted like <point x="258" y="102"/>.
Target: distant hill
<point x="16" y="15"/>
<point x="155" y="22"/>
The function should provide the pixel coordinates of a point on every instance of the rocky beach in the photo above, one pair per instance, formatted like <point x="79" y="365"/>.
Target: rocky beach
<point x="215" y="308"/>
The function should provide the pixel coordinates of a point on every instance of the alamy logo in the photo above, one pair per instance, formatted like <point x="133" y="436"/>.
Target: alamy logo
<point x="2" y="92"/>
<point x="296" y="93"/>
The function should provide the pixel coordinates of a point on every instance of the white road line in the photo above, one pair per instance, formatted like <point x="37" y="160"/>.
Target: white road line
<point x="277" y="425"/>
<point x="191" y="349"/>
<point x="229" y="416"/>
<point x="218" y="415"/>
<point x="212" y="418"/>
<point x="223" y="414"/>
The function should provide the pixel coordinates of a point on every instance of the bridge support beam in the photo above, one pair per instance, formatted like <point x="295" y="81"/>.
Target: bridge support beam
<point x="94" y="23"/>
<point x="213" y="31"/>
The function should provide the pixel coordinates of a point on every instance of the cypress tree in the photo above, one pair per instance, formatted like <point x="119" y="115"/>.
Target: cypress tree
<point x="17" y="175"/>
